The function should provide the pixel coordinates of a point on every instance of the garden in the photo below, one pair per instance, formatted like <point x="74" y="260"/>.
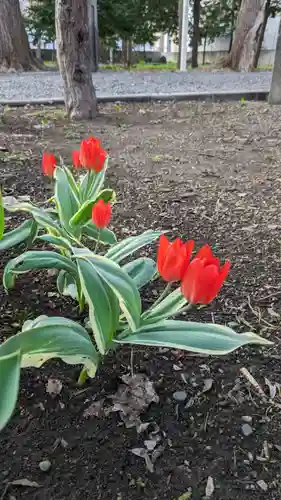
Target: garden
<point x="140" y="303"/>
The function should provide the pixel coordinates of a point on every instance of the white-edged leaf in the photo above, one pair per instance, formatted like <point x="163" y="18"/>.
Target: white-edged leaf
<point x="66" y="199"/>
<point x="102" y="302"/>
<point x="67" y="285"/>
<point x="105" y="236"/>
<point x="9" y="384"/>
<point x="92" y="183"/>
<point x="166" y="308"/>
<point x="41" y="259"/>
<point x="44" y="218"/>
<point x="120" y="283"/>
<point x="83" y="214"/>
<point x="195" y="337"/>
<point x="55" y="337"/>
<point x="141" y="270"/>
<point x="130" y="245"/>
<point x="16" y="236"/>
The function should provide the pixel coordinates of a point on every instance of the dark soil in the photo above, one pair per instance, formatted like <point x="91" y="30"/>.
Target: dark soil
<point x="207" y="171"/>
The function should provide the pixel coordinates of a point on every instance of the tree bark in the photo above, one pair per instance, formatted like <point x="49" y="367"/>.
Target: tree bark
<point x="73" y="55"/>
<point x="247" y="17"/>
<point x="15" y="53"/>
<point x="196" y="33"/>
<point x="275" y="89"/>
<point x="262" y="32"/>
<point x="252" y="42"/>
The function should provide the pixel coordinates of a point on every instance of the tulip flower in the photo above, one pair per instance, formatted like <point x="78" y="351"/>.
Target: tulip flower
<point x="173" y="258"/>
<point x="204" y="277"/>
<point x="92" y="156"/>
<point x="48" y="164"/>
<point x="76" y="159"/>
<point x="101" y="214"/>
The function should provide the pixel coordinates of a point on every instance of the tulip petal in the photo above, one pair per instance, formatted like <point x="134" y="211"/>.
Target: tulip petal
<point x="162" y="250"/>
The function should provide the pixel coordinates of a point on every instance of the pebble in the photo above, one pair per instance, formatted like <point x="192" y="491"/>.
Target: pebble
<point x="180" y="396"/>
<point x="262" y="484"/>
<point x="247" y="429"/>
<point x="247" y="418"/>
<point x="45" y="465"/>
<point x="38" y="85"/>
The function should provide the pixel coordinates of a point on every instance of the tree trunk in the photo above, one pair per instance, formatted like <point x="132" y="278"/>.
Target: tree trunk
<point x="247" y="17"/>
<point x="180" y="24"/>
<point x="15" y="53"/>
<point x="196" y="33"/>
<point x="275" y="89"/>
<point x="250" y="47"/>
<point x="73" y="55"/>
<point x="262" y="32"/>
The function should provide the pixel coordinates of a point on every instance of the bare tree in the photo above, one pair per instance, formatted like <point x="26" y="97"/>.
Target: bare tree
<point x="246" y="40"/>
<point x="15" y="53"/>
<point x="74" y="58"/>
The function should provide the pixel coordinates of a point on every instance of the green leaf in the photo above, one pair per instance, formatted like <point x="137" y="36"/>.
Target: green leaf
<point x="203" y="338"/>
<point x="92" y="183"/>
<point x="141" y="271"/>
<point x="9" y="385"/>
<point x="42" y="259"/>
<point x="83" y="215"/>
<point x="40" y="340"/>
<point x="43" y="217"/>
<point x="166" y="308"/>
<point x="130" y="245"/>
<point x="16" y="236"/>
<point x="71" y="182"/>
<point x="119" y="281"/>
<point x="1" y="216"/>
<point x="56" y="241"/>
<point x="67" y="285"/>
<point x="56" y="337"/>
<point x="66" y="199"/>
<point x="103" y="304"/>
<point x="105" y="236"/>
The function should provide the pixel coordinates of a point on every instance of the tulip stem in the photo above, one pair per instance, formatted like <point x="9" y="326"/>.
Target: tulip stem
<point x="163" y="294"/>
<point x="184" y="309"/>
<point x="97" y="243"/>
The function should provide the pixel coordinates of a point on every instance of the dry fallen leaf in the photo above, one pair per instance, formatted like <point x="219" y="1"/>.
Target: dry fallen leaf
<point x="25" y="482"/>
<point x="141" y="452"/>
<point x="208" y="384"/>
<point x="133" y="397"/>
<point x="210" y="487"/>
<point x="95" y="409"/>
<point x="53" y="387"/>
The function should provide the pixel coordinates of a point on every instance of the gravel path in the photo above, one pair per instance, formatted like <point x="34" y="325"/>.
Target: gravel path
<point x="26" y="86"/>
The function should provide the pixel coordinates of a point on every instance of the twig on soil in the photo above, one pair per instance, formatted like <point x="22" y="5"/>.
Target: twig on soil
<point x="5" y="491"/>
<point x="258" y="315"/>
<point x="247" y="375"/>
<point x="275" y="294"/>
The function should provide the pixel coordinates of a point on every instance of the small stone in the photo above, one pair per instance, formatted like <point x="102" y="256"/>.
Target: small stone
<point x="45" y="465"/>
<point x="262" y="484"/>
<point x="180" y="396"/>
<point x="247" y="418"/>
<point x="247" y="429"/>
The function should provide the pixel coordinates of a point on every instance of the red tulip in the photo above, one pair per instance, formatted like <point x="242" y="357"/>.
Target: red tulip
<point x="101" y="214"/>
<point x="92" y="156"/>
<point x="48" y="164"/>
<point x="204" y="277"/>
<point x="76" y="159"/>
<point x="173" y="258"/>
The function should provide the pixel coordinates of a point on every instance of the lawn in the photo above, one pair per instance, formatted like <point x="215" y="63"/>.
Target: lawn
<point x="207" y="171"/>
